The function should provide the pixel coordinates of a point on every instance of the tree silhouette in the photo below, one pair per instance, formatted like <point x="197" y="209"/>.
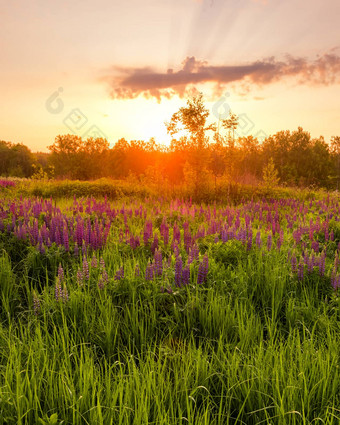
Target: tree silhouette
<point x="231" y="124"/>
<point x="193" y="119"/>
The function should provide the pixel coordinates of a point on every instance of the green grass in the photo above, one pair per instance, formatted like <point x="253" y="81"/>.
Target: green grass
<point x="251" y="346"/>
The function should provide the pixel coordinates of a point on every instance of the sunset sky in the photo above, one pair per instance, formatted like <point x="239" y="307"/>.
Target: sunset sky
<point x="120" y="69"/>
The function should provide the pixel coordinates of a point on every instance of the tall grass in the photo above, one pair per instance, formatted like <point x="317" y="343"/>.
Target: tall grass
<point x="253" y="345"/>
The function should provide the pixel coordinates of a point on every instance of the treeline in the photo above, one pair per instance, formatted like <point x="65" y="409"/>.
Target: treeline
<point x="17" y="160"/>
<point x="297" y="158"/>
<point x="206" y="153"/>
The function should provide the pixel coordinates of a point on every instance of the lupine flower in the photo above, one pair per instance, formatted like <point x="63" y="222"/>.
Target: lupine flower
<point x="203" y="270"/>
<point x="322" y="264"/>
<point x="80" y="278"/>
<point x="258" y="239"/>
<point x="300" y="270"/>
<point x="269" y="242"/>
<point x="119" y="274"/>
<point x="154" y="244"/>
<point x="86" y="271"/>
<point x="310" y="264"/>
<point x="60" y="273"/>
<point x="58" y="290"/>
<point x="315" y="246"/>
<point x="186" y="275"/>
<point x="158" y="263"/>
<point x="149" y="272"/>
<point x="249" y="239"/>
<point x="165" y="232"/>
<point x="101" y="283"/>
<point x="94" y="262"/>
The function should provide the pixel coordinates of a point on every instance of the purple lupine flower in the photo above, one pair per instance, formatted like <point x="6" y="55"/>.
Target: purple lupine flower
<point x="178" y="271"/>
<point x="149" y="272"/>
<point x="119" y="274"/>
<point x="280" y="240"/>
<point x="94" y="262"/>
<point x="102" y="263"/>
<point x="193" y="254"/>
<point x="80" y="278"/>
<point x="203" y="270"/>
<point x="147" y="232"/>
<point x="322" y="264"/>
<point x="101" y="283"/>
<point x="310" y="264"/>
<point x="297" y="236"/>
<point x="300" y="270"/>
<point x="105" y="276"/>
<point x="165" y="232"/>
<point x="66" y="240"/>
<point x="42" y="249"/>
<point x="249" y="239"/>
<point x="326" y="232"/>
<point x="293" y="262"/>
<point x="315" y="246"/>
<point x="60" y="273"/>
<point x="258" y="239"/>
<point x="186" y="275"/>
<point x="269" y="242"/>
<point x="158" y="263"/>
<point x="154" y="244"/>
<point x="200" y="275"/>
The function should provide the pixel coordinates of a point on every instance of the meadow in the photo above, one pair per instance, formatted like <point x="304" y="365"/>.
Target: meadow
<point x="133" y="308"/>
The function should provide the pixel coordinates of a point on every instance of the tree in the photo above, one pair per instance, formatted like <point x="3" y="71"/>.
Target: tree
<point x="193" y="119"/>
<point x="80" y="159"/>
<point x="65" y="155"/>
<point x="270" y="175"/>
<point x="231" y="124"/>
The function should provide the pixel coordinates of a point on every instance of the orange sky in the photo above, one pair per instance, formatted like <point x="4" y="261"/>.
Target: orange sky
<point x="125" y="67"/>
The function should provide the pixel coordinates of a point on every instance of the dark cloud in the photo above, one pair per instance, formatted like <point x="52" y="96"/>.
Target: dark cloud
<point x="128" y="83"/>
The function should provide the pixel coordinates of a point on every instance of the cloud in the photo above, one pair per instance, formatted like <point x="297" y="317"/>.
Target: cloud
<point x="128" y="83"/>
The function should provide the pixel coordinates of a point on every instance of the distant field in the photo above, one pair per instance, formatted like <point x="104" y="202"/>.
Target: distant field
<point x="119" y="306"/>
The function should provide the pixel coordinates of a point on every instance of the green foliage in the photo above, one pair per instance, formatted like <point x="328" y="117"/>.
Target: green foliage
<point x="270" y="175"/>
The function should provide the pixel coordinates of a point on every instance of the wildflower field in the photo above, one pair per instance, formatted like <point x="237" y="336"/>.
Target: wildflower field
<point x="161" y="311"/>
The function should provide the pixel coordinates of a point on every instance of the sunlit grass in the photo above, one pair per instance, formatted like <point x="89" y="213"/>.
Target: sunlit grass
<point x="251" y="345"/>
